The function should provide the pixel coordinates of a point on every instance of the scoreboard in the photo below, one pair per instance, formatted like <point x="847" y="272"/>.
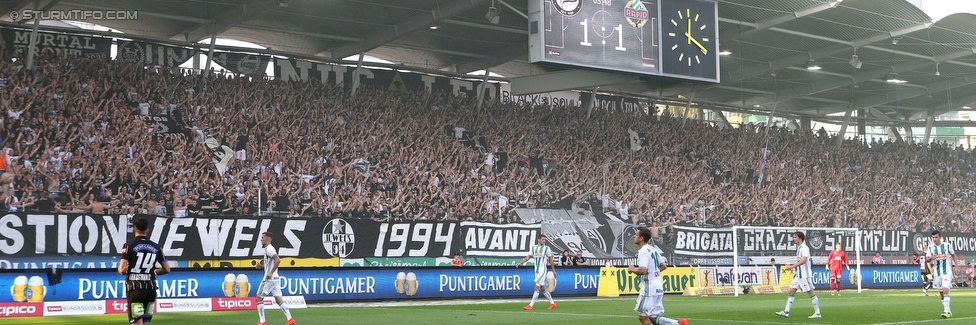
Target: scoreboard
<point x="672" y="38"/>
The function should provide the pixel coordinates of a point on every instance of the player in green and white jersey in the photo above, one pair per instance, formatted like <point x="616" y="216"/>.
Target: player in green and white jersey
<point x="803" y="279"/>
<point x="943" y="259"/>
<point x="541" y="255"/>
<point x="650" y="264"/>
<point x="270" y="283"/>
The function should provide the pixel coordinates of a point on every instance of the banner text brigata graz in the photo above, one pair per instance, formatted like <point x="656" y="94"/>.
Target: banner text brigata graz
<point x="697" y="242"/>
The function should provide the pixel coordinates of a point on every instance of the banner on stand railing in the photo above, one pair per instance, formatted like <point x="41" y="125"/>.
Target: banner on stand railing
<point x="239" y="237"/>
<point x="19" y="40"/>
<point x="152" y="53"/>
<point x="382" y="79"/>
<point x="706" y="244"/>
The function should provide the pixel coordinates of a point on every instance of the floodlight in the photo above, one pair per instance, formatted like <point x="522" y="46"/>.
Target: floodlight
<point x="492" y="15"/>
<point x="812" y="65"/>
<point x="893" y="78"/>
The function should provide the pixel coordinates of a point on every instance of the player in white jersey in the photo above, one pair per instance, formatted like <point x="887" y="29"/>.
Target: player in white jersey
<point x="650" y="264"/>
<point x="803" y="278"/>
<point x="541" y="255"/>
<point x="943" y="260"/>
<point x="270" y="283"/>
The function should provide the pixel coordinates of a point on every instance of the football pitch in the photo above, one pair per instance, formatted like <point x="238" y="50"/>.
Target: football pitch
<point x="870" y="307"/>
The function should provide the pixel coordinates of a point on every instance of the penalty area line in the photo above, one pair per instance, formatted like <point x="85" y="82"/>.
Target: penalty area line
<point x="547" y="313"/>
<point x="928" y="321"/>
<point x="599" y="315"/>
<point x="456" y="302"/>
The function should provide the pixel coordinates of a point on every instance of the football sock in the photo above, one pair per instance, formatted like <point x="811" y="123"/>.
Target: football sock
<point x="838" y="285"/>
<point x="945" y="303"/>
<point x="549" y="296"/>
<point x="816" y="303"/>
<point x="665" y="321"/>
<point x="261" y="310"/>
<point x="832" y="285"/>
<point x="535" y="296"/>
<point x="284" y="309"/>
<point x="789" y="303"/>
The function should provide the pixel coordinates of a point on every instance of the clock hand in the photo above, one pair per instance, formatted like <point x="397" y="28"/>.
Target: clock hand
<point x="700" y="46"/>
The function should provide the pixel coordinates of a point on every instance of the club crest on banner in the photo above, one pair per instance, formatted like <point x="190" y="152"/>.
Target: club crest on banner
<point x="338" y="238"/>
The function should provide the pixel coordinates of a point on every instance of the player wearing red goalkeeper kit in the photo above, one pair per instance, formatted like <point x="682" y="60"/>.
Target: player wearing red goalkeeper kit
<point x="836" y="262"/>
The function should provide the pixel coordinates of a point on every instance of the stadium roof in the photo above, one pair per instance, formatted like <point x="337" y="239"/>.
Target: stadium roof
<point x="770" y="42"/>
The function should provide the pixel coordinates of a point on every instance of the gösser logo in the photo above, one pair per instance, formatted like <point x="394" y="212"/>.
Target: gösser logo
<point x="14" y="310"/>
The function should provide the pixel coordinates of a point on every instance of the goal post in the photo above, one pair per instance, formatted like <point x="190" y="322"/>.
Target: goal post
<point x="756" y="245"/>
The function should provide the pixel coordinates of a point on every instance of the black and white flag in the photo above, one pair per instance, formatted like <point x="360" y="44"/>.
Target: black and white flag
<point x="220" y="155"/>
<point x="361" y="166"/>
<point x="637" y="140"/>
<point x="161" y="125"/>
<point x="152" y="53"/>
<point x="242" y="63"/>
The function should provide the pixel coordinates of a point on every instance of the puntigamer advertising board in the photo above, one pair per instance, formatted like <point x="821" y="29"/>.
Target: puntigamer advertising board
<point x="332" y="284"/>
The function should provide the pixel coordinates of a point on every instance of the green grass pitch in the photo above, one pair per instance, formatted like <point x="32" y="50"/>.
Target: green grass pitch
<point x="870" y="307"/>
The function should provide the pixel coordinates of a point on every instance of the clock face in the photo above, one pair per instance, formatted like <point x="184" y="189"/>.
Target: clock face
<point x="689" y="38"/>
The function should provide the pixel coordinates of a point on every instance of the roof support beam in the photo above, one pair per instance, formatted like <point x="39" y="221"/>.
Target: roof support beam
<point x="953" y="105"/>
<point x="42" y="5"/>
<point x="567" y="80"/>
<point x="743" y="29"/>
<point x="295" y="32"/>
<point x="903" y="94"/>
<point x="386" y="35"/>
<point x="141" y="13"/>
<point x="437" y="50"/>
<point x="815" y="54"/>
<point x="832" y="83"/>
<point x="494" y="58"/>
<point x="522" y="31"/>
<point x="225" y="20"/>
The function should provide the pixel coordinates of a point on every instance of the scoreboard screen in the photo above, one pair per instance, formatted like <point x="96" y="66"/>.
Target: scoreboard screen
<point x="626" y="36"/>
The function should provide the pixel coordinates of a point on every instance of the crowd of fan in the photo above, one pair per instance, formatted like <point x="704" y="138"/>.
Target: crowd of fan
<point x="73" y="144"/>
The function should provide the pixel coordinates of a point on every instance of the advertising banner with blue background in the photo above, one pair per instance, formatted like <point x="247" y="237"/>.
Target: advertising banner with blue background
<point x="872" y="276"/>
<point x="323" y="285"/>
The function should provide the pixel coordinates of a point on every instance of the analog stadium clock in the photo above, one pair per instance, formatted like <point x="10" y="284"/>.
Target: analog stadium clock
<point x="689" y="38"/>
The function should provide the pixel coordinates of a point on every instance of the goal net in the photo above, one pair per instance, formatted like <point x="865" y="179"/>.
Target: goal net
<point x="756" y="248"/>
